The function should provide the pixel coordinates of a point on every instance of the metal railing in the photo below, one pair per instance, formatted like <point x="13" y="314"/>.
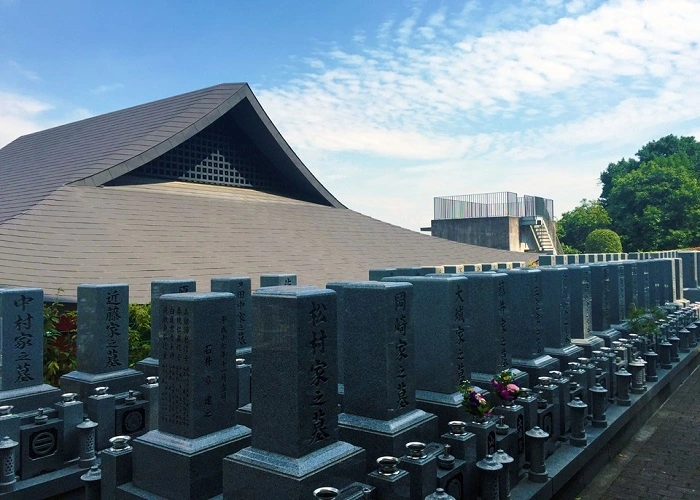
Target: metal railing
<point x="501" y="204"/>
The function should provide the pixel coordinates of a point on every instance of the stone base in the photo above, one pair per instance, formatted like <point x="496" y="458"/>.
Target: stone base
<point x="148" y="366"/>
<point x="483" y="380"/>
<point x="180" y="468"/>
<point x="84" y="384"/>
<point x="589" y="344"/>
<point x="608" y="336"/>
<point x="244" y="415"/>
<point x="256" y="473"/>
<point x="30" y="398"/>
<point x="387" y="437"/>
<point x="446" y="407"/>
<point x="537" y="367"/>
<point x="565" y="355"/>
<point x="241" y="352"/>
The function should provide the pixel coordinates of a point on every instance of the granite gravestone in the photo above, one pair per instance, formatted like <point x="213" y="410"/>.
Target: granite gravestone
<point x="489" y="323"/>
<point x="601" y="302"/>
<point x="631" y="288"/>
<point x="581" y="309"/>
<point x="149" y="365"/>
<point x="525" y="338"/>
<point x="22" y="350"/>
<point x="618" y="312"/>
<point x="378" y="274"/>
<point x="278" y="280"/>
<point x="295" y="447"/>
<point x="379" y="402"/>
<point x="239" y="286"/>
<point x="556" y="315"/>
<point x="439" y="316"/>
<point x="691" y="291"/>
<point x="197" y="400"/>
<point x="102" y="342"/>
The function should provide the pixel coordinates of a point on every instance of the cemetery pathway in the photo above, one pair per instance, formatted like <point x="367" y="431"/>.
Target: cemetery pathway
<point x="663" y="458"/>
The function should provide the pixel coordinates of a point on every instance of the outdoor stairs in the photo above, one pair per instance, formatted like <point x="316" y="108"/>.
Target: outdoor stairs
<point x="544" y="240"/>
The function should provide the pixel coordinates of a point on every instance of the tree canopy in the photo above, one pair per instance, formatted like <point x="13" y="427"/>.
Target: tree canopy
<point x="652" y="201"/>
<point x="574" y="226"/>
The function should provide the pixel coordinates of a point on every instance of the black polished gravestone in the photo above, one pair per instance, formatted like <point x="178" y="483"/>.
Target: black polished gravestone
<point x="22" y="351"/>
<point x="379" y="405"/>
<point x="601" y="302"/>
<point x="239" y="286"/>
<point x="581" y="310"/>
<point x="102" y="342"/>
<point x="149" y="365"/>
<point x="690" y="275"/>
<point x="556" y="315"/>
<point x="631" y="271"/>
<point x="295" y="447"/>
<point x="197" y="401"/>
<point x="439" y="318"/>
<point x="525" y="335"/>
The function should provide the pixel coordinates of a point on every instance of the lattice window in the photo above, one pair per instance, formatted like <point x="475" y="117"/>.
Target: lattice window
<point x="217" y="155"/>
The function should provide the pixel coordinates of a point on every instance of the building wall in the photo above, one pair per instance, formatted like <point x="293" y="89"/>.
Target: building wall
<point x="492" y="232"/>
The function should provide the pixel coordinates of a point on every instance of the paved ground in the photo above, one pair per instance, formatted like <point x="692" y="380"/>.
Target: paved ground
<point x="663" y="458"/>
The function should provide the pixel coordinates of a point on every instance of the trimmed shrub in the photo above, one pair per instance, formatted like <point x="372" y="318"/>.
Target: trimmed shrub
<point x="603" y="241"/>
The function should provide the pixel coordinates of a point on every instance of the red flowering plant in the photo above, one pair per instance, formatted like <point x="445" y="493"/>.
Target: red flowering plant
<point x="474" y="402"/>
<point x="503" y="385"/>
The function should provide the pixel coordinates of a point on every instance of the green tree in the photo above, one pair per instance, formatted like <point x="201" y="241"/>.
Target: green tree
<point x="574" y="226"/>
<point x="603" y="241"/>
<point x="656" y="206"/>
<point x="661" y="148"/>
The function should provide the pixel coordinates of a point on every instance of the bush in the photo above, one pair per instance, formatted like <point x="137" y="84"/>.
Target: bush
<point x="603" y="241"/>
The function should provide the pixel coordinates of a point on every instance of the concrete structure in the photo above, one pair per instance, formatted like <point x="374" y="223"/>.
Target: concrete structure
<point x="497" y="220"/>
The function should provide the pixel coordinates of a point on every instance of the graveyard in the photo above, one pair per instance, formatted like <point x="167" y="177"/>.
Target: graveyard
<point x="355" y="390"/>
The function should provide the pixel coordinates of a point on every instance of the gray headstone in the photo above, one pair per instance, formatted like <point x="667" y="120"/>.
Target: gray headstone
<point x="524" y="288"/>
<point x="600" y="295"/>
<point x="489" y="323"/>
<point x="631" y="284"/>
<point x="643" y="284"/>
<point x="278" y="280"/>
<point x="22" y="341"/>
<point x="556" y="306"/>
<point x="581" y="301"/>
<point x="489" y="266"/>
<point x="380" y="354"/>
<point x="294" y="352"/>
<point x="158" y="288"/>
<point x="618" y="313"/>
<point x="677" y="278"/>
<point x="197" y="371"/>
<point x="546" y="260"/>
<point x="560" y="259"/>
<point x="103" y="328"/>
<point x="408" y="271"/>
<point x="572" y="259"/>
<point x="453" y="268"/>
<point x="472" y="268"/>
<point x="440" y="320"/>
<point x="690" y="270"/>
<point x="239" y="286"/>
<point x="425" y="270"/>
<point x="378" y="274"/>
<point x="339" y="287"/>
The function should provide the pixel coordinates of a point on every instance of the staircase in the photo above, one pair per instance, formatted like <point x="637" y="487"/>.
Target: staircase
<point x="544" y="240"/>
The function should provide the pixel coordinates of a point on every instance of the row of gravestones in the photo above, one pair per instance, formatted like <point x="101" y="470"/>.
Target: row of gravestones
<point x="405" y="343"/>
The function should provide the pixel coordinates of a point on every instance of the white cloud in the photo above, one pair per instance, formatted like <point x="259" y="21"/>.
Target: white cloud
<point x="563" y="88"/>
<point x="19" y="115"/>
<point x="103" y="89"/>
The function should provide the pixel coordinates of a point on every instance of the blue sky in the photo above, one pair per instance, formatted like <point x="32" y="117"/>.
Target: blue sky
<point x="389" y="103"/>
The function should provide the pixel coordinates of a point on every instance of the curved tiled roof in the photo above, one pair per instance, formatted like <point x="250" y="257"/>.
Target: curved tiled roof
<point x="97" y="150"/>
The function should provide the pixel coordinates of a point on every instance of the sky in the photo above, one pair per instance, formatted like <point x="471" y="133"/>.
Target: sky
<point x="389" y="103"/>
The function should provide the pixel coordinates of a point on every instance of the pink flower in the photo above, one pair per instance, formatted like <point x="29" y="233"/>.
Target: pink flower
<point x="513" y="388"/>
